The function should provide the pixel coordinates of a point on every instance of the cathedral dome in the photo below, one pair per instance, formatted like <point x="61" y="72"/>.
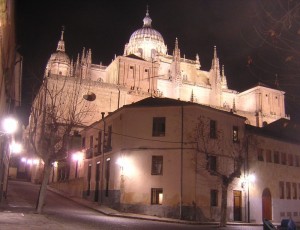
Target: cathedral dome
<point x="59" y="62"/>
<point x="146" y="32"/>
<point x="146" y="42"/>
<point x="60" y="57"/>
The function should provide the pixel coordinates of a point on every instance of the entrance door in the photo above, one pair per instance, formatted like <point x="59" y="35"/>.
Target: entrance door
<point x="266" y="204"/>
<point x="97" y="181"/>
<point x="89" y="179"/>
<point x="237" y="205"/>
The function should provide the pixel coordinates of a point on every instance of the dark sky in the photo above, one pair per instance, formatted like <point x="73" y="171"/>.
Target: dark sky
<point x="105" y="27"/>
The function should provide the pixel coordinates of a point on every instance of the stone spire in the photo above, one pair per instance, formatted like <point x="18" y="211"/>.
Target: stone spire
<point x="176" y="63"/>
<point x="147" y="20"/>
<point x="61" y="43"/>
<point x="223" y="79"/>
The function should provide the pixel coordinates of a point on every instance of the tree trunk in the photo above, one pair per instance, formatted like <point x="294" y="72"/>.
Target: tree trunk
<point x="43" y="189"/>
<point x="223" y="220"/>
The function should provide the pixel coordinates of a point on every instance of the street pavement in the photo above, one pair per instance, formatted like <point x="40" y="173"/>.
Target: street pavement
<point x="16" y="213"/>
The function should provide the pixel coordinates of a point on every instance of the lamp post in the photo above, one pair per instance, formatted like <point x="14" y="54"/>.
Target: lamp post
<point x="250" y="178"/>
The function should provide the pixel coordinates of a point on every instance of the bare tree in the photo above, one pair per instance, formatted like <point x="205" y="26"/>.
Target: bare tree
<point x="274" y="38"/>
<point x="58" y="109"/>
<point x="222" y="157"/>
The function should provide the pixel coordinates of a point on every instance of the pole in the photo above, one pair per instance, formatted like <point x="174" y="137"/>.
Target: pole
<point x="102" y="165"/>
<point x="248" y="182"/>
<point x="248" y="200"/>
<point x="181" y="163"/>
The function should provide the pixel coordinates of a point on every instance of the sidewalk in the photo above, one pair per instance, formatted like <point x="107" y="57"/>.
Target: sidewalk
<point x="111" y="212"/>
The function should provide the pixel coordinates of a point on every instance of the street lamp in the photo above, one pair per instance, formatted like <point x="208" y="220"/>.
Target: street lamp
<point x="78" y="156"/>
<point x="9" y="125"/>
<point x="15" y="147"/>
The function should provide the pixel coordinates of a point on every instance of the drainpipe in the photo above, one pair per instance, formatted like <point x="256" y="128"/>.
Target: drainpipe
<point x="247" y="158"/>
<point x="119" y="84"/>
<point x="181" y="163"/>
<point x="102" y="165"/>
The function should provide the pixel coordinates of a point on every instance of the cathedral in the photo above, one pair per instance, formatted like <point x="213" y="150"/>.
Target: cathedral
<point x="146" y="70"/>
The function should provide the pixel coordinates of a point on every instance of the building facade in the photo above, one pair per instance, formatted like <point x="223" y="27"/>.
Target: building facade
<point x="273" y="157"/>
<point x="146" y="69"/>
<point x="10" y="84"/>
<point x="144" y="159"/>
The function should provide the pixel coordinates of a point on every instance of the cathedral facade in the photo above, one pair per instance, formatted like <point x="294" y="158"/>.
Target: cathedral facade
<point x="146" y="69"/>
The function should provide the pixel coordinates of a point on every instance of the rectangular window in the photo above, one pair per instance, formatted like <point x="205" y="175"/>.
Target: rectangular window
<point x="213" y="198"/>
<point x="295" y="191"/>
<point x="213" y="129"/>
<point x="268" y="155"/>
<point x="108" y="139"/>
<point x="235" y="134"/>
<point x="212" y="163"/>
<point x="159" y="126"/>
<point x="288" y="190"/>
<point x="290" y="160"/>
<point x="260" y="154"/>
<point x="157" y="165"/>
<point x="283" y="158"/>
<point x="83" y="143"/>
<point x="281" y="189"/>
<point x="276" y="157"/>
<point x="297" y="161"/>
<point x="89" y="175"/>
<point x="156" y="195"/>
<point x="91" y="143"/>
<point x="100" y="142"/>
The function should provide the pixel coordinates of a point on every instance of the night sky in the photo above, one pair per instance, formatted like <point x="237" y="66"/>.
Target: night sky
<point x="236" y="27"/>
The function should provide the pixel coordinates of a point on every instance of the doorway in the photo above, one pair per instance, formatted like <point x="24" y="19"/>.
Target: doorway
<point x="237" y="205"/>
<point x="266" y="204"/>
<point x="97" y="181"/>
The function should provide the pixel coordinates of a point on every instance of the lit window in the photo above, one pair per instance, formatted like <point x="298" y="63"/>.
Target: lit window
<point x="213" y="198"/>
<point x="235" y="134"/>
<point x="213" y="129"/>
<point x="157" y="165"/>
<point x="156" y="195"/>
<point x="159" y="126"/>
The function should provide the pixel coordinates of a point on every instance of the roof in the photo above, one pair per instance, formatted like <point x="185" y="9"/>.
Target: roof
<point x="164" y="102"/>
<point x="157" y="101"/>
<point x="135" y="57"/>
<point x="281" y="129"/>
